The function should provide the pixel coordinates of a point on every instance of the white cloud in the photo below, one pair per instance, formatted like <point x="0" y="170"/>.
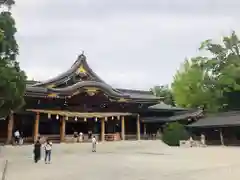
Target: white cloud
<point x="130" y="44"/>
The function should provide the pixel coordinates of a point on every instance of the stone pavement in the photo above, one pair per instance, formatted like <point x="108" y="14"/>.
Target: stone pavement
<point x="130" y="160"/>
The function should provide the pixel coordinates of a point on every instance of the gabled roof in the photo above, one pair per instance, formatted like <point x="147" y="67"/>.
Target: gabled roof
<point x="225" y="119"/>
<point x="79" y="66"/>
<point x="62" y="86"/>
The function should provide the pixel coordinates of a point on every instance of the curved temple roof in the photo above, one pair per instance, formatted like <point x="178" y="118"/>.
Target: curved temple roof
<point x="66" y="84"/>
<point x="80" y="62"/>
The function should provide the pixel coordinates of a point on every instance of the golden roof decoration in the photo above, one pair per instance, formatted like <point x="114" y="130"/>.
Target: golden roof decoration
<point x="122" y="100"/>
<point x="81" y="70"/>
<point x="50" y="86"/>
<point x="52" y="95"/>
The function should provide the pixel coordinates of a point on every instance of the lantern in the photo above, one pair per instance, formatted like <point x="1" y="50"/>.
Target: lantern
<point x="75" y="118"/>
<point x="118" y="117"/>
<point x="112" y="117"/>
<point x="106" y="118"/>
<point x="49" y="116"/>
<point x="57" y="117"/>
<point x="66" y="118"/>
<point x="85" y="119"/>
<point x="96" y="119"/>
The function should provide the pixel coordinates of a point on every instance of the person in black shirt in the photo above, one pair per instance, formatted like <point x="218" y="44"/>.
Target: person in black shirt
<point x="37" y="151"/>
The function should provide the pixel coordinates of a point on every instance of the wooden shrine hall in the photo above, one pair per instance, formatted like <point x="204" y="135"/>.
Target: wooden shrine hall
<point x="78" y="100"/>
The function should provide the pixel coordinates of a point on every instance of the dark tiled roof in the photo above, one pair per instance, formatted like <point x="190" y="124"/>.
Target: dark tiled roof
<point x="190" y="114"/>
<point x="183" y="115"/>
<point x="43" y="88"/>
<point x="155" y="119"/>
<point x="163" y="106"/>
<point x="219" y="120"/>
<point x="139" y="94"/>
<point x="31" y="82"/>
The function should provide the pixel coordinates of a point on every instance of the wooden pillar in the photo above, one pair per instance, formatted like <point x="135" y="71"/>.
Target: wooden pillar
<point x="221" y="137"/>
<point x="62" y="129"/>
<point x="138" y="128"/>
<point x="103" y="129"/>
<point x="36" y="127"/>
<point x="10" y="127"/>
<point x="122" y="128"/>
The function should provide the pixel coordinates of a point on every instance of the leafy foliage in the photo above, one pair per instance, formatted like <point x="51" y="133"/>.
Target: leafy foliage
<point x="173" y="133"/>
<point x="191" y="86"/>
<point x="164" y="92"/>
<point x="210" y="81"/>
<point x="12" y="78"/>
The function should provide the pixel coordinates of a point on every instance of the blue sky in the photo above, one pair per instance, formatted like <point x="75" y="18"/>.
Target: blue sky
<point x="129" y="43"/>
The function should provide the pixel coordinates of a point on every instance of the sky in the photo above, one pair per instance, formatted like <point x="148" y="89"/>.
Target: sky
<point x="129" y="43"/>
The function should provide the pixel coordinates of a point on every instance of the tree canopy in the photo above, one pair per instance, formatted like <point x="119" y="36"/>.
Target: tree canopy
<point x="212" y="81"/>
<point x="12" y="78"/>
<point x="164" y="92"/>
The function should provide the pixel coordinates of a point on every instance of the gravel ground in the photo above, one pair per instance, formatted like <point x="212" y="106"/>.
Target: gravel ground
<point x="135" y="160"/>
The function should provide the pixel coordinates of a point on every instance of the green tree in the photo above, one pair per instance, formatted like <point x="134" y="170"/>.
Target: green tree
<point x="12" y="78"/>
<point x="173" y="133"/>
<point x="191" y="86"/>
<point x="224" y="67"/>
<point x="164" y="92"/>
<point x="213" y="81"/>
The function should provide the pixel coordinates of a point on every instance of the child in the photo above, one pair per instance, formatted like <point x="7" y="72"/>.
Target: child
<point x="94" y="144"/>
<point x="48" y="151"/>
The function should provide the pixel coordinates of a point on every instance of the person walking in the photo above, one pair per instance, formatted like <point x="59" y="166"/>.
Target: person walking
<point x="17" y="137"/>
<point x="48" y="151"/>
<point x="37" y="151"/>
<point x="94" y="144"/>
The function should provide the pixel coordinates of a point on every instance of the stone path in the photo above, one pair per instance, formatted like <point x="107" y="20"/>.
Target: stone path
<point x="124" y="161"/>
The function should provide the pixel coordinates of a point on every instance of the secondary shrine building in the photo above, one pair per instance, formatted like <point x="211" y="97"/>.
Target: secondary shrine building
<point x="78" y="100"/>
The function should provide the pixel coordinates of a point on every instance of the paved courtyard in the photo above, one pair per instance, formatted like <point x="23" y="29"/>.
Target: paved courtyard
<point x="128" y="160"/>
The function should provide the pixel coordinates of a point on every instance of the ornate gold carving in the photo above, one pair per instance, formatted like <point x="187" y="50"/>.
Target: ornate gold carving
<point x="91" y="89"/>
<point x="122" y="100"/>
<point x="75" y="93"/>
<point x="91" y="93"/>
<point x="52" y="95"/>
<point x="81" y="70"/>
<point x="51" y="86"/>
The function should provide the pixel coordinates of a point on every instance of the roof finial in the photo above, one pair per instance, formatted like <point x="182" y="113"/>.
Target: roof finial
<point x="82" y="52"/>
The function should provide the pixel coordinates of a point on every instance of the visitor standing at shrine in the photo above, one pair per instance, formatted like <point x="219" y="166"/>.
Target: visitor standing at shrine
<point x="80" y="137"/>
<point x="17" y="136"/>
<point x="203" y="140"/>
<point x="37" y="150"/>
<point x="48" y="151"/>
<point x="94" y="144"/>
